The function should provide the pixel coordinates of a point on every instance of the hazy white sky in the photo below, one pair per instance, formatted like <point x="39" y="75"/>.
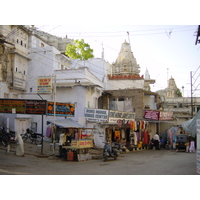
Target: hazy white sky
<point x="165" y="50"/>
<point x="162" y="33"/>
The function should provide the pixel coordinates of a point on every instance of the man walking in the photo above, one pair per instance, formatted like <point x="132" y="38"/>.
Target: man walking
<point x="156" y="141"/>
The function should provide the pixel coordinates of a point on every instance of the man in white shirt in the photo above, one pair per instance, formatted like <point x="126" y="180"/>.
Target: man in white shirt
<point x="62" y="142"/>
<point x="156" y="141"/>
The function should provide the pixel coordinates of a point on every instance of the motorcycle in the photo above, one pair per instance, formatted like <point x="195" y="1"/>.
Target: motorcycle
<point x="110" y="151"/>
<point x="34" y="137"/>
<point x="6" y="137"/>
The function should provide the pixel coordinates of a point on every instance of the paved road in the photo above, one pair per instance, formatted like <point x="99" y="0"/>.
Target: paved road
<point x="144" y="162"/>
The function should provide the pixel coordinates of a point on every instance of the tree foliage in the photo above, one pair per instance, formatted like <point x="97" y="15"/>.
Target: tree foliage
<point x="178" y="92"/>
<point x="79" y="50"/>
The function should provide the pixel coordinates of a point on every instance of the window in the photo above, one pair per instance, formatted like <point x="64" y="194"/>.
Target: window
<point x="22" y="43"/>
<point x="31" y="89"/>
<point x="42" y="45"/>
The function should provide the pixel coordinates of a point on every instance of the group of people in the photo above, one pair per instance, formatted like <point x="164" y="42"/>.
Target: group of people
<point x="158" y="142"/>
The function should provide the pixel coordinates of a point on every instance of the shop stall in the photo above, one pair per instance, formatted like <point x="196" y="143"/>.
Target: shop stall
<point x="74" y="140"/>
<point x="131" y="134"/>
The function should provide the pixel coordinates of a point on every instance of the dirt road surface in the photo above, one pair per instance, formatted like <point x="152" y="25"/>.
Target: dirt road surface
<point x="143" y="162"/>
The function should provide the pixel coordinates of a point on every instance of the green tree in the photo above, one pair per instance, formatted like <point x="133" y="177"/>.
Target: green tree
<point x="79" y="50"/>
<point x="178" y="92"/>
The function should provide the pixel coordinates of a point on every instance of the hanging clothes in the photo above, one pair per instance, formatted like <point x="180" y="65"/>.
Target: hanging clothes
<point x="117" y="135"/>
<point x="48" y="132"/>
<point x="146" y="140"/>
<point x="135" y="138"/>
<point x="138" y="125"/>
<point x="123" y="134"/>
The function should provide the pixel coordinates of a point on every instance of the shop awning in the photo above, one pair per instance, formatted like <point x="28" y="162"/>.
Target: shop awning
<point x="66" y="123"/>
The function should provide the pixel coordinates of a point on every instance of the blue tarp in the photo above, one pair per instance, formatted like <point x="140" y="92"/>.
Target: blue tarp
<point x="66" y="123"/>
<point x="190" y="125"/>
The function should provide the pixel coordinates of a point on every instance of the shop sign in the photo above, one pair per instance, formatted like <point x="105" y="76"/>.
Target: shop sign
<point x="125" y="117"/>
<point x="44" y="85"/>
<point x="62" y="109"/>
<point x="12" y="106"/>
<point x="81" y="144"/>
<point x="151" y="114"/>
<point x="23" y="106"/>
<point x="37" y="107"/>
<point x="166" y="115"/>
<point x="97" y="115"/>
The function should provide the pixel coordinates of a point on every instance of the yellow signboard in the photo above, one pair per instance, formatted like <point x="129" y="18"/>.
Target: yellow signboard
<point x="78" y="144"/>
<point x="44" y="85"/>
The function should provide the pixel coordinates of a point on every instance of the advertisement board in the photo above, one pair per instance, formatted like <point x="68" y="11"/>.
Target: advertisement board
<point x="44" y="85"/>
<point x="12" y="106"/>
<point x="62" y="109"/>
<point x="23" y="106"/>
<point x="116" y="116"/>
<point x="37" y="107"/>
<point x="81" y="144"/>
<point x="151" y="114"/>
<point x="96" y="114"/>
<point x="166" y="115"/>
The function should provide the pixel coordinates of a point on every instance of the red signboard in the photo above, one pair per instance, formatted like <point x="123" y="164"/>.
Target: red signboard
<point x="158" y="115"/>
<point x="151" y="114"/>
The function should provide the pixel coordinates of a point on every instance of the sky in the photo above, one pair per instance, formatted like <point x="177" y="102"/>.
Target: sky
<point x="164" y="50"/>
<point x="161" y="33"/>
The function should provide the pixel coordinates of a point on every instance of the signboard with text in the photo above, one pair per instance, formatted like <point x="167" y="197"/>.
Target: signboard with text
<point x="62" y="109"/>
<point x="12" y="106"/>
<point x="81" y="144"/>
<point x="44" y="85"/>
<point x="23" y="106"/>
<point x="158" y="115"/>
<point x="115" y="116"/>
<point x="151" y="114"/>
<point x="166" y="115"/>
<point x="37" y="107"/>
<point x="99" y="115"/>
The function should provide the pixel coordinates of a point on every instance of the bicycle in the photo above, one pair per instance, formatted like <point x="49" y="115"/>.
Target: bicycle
<point x="34" y="137"/>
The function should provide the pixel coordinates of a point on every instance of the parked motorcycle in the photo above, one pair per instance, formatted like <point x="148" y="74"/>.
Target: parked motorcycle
<point x="6" y="137"/>
<point x="34" y="137"/>
<point x="110" y="151"/>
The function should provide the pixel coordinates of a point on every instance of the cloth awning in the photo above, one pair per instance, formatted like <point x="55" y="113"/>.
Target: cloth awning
<point x="66" y="123"/>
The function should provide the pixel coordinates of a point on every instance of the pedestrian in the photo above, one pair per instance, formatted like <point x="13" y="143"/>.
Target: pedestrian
<point x="162" y="142"/>
<point x="187" y="146"/>
<point x="62" y="141"/>
<point x="156" y="141"/>
<point x="20" y="145"/>
<point x="192" y="146"/>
